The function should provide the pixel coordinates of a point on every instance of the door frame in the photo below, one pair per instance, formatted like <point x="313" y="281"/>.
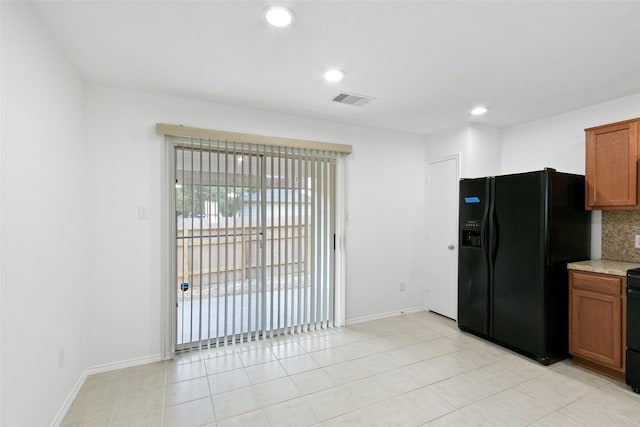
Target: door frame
<point x="168" y="252"/>
<point x="458" y="159"/>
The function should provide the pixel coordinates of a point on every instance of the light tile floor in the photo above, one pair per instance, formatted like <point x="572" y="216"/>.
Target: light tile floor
<point x="412" y="370"/>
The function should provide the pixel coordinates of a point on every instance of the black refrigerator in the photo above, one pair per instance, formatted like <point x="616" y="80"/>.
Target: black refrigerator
<point x="517" y="233"/>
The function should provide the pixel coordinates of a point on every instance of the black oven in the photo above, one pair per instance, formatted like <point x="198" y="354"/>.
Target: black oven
<point x="633" y="329"/>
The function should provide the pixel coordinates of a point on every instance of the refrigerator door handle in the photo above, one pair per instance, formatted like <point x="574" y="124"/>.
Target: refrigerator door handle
<point x="484" y="228"/>
<point x="495" y="235"/>
<point x="493" y="227"/>
<point x="491" y="251"/>
<point x="484" y="241"/>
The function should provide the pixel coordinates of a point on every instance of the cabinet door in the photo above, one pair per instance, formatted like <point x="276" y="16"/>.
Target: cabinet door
<point x="611" y="166"/>
<point x="596" y="327"/>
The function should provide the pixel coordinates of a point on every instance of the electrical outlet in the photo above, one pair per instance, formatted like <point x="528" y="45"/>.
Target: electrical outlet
<point x="403" y="287"/>
<point x="61" y="359"/>
<point x="637" y="240"/>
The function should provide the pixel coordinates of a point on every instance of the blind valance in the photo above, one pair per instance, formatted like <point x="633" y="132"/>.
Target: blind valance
<point x="191" y="132"/>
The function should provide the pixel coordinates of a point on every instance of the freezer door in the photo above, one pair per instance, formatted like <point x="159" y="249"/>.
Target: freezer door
<point x="518" y="253"/>
<point x="473" y="268"/>
<point x="633" y="316"/>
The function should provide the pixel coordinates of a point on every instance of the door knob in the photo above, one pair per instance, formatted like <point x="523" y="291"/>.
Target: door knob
<point x="451" y="247"/>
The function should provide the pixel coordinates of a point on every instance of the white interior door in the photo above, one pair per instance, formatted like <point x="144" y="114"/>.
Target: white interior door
<point x="442" y="236"/>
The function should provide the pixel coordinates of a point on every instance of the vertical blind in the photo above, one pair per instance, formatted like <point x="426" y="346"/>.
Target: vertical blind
<point x="254" y="240"/>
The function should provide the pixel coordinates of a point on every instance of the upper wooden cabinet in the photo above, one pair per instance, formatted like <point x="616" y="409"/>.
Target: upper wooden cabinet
<point x="612" y="166"/>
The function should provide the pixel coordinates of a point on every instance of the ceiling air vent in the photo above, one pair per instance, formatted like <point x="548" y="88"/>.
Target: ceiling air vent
<point x="352" y="99"/>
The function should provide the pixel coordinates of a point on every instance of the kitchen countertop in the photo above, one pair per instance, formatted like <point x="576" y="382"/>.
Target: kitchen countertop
<point x="604" y="266"/>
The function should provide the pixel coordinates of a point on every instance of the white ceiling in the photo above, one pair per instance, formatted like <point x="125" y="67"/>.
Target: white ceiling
<point x="427" y="63"/>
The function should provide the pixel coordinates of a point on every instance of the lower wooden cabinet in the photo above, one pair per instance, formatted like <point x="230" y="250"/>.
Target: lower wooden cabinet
<point x="597" y="332"/>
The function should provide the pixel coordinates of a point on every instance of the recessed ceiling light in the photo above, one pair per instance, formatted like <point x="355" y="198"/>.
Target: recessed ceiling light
<point x="334" y="75"/>
<point x="478" y="111"/>
<point x="278" y="16"/>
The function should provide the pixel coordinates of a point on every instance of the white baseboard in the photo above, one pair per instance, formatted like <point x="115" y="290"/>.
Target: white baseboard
<point x="57" y="421"/>
<point x="385" y="315"/>
<point x="98" y="369"/>
<point x="114" y="366"/>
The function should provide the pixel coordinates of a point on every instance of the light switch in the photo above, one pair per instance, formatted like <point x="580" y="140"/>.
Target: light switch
<point x="142" y="212"/>
<point x="638" y="241"/>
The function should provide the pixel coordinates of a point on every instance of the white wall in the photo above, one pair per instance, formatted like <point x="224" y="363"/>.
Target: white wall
<point x="484" y="151"/>
<point x="447" y="143"/>
<point x="385" y="240"/>
<point x="43" y="228"/>
<point x="478" y="146"/>
<point x="384" y="231"/>
<point x="558" y="142"/>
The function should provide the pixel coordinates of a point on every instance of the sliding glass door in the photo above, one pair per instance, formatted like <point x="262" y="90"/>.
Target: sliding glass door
<point x="254" y="241"/>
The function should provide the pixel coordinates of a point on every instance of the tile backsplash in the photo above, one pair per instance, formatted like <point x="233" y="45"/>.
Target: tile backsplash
<point x="618" y="235"/>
